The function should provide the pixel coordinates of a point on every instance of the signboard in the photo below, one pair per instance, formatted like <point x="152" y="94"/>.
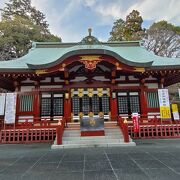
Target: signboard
<point x="135" y="122"/>
<point x="165" y="111"/>
<point x="92" y="124"/>
<point x="2" y="103"/>
<point x="10" y="110"/>
<point x="175" y="111"/>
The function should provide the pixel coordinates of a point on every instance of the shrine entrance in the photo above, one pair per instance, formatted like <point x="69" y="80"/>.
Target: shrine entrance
<point x="86" y="100"/>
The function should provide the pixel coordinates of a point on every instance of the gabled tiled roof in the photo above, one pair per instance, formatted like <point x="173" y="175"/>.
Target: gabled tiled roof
<point x="44" y="54"/>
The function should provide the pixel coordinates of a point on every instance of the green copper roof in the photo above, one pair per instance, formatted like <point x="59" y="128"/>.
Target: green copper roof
<point x="45" y="54"/>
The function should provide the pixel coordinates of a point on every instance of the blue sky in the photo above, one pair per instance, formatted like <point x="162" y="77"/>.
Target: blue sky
<point x="70" y="19"/>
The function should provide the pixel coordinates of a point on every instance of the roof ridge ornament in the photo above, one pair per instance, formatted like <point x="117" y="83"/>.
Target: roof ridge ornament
<point x="90" y="31"/>
<point x="89" y="40"/>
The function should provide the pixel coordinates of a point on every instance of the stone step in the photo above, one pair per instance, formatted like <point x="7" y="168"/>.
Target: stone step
<point x="106" y="135"/>
<point x="92" y="138"/>
<point x="73" y="139"/>
<point x="67" y="146"/>
<point x="92" y="142"/>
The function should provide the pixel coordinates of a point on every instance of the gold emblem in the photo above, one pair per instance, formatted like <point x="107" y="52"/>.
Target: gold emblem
<point x="92" y="122"/>
<point x="90" y="58"/>
<point x="90" y="62"/>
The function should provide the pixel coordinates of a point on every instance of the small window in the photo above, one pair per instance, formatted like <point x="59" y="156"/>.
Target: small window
<point x="26" y="103"/>
<point x="152" y="99"/>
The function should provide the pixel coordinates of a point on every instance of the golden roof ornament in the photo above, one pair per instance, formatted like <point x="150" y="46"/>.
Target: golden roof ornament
<point x="90" y="31"/>
<point x="90" y="40"/>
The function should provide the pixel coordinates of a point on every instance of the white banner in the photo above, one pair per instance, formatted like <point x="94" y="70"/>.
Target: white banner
<point x="164" y="103"/>
<point x="10" y="111"/>
<point x="163" y="97"/>
<point x="2" y="103"/>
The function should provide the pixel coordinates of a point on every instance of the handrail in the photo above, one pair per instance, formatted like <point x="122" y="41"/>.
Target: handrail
<point x="124" y="127"/>
<point x="32" y="123"/>
<point x="60" y="131"/>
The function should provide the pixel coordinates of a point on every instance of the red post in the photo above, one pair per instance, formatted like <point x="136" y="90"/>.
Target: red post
<point x="59" y="134"/>
<point x="124" y="127"/>
<point x="59" y="131"/>
<point x="126" y="134"/>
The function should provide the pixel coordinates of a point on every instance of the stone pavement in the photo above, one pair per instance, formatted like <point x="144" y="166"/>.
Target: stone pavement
<point x="150" y="159"/>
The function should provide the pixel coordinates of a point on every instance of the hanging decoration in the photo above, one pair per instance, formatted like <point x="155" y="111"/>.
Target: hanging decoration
<point x="72" y="92"/>
<point x="108" y="91"/>
<point x="100" y="92"/>
<point x="90" y="92"/>
<point x="91" y="114"/>
<point x="80" y="92"/>
<point x="101" y="114"/>
<point x="81" y="115"/>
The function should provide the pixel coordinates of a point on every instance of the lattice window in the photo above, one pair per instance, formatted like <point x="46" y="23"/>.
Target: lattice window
<point x="58" y="106"/>
<point x="85" y="104"/>
<point x="95" y="104"/>
<point x="105" y="104"/>
<point x="75" y="105"/>
<point x="152" y="99"/>
<point x="45" y="106"/>
<point x="26" y="103"/>
<point x="123" y="104"/>
<point x="134" y="104"/>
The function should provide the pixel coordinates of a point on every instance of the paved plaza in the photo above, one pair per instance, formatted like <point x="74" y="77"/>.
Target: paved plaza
<point x="150" y="159"/>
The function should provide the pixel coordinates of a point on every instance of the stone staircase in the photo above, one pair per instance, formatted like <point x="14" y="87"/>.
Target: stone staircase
<point x="72" y="138"/>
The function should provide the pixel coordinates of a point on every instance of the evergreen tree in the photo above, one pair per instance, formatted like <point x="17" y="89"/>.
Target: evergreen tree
<point x="128" y="30"/>
<point x="133" y="26"/>
<point x="24" y="9"/>
<point x="20" y="25"/>
<point x="117" y="33"/>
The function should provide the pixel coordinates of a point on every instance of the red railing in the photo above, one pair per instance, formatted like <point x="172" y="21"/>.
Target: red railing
<point x="156" y="130"/>
<point x="32" y="132"/>
<point x="153" y="127"/>
<point x="16" y="136"/>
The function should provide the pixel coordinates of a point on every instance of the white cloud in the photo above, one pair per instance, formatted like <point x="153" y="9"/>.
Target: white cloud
<point x="159" y="10"/>
<point x="59" y="14"/>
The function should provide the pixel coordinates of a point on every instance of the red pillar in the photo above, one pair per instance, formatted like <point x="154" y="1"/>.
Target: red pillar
<point x="143" y="99"/>
<point x="36" y="106"/>
<point x="17" y="89"/>
<point x="113" y="105"/>
<point x="36" y="103"/>
<point x="67" y="107"/>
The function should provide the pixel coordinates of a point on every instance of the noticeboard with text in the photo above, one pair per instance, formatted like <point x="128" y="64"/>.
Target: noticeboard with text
<point x="2" y="103"/>
<point x="175" y="111"/>
<point x="10" y="110"/>
<point x="165" y="111"/>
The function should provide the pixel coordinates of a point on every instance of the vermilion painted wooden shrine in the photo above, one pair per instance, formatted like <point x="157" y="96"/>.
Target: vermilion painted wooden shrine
<point x="67" y="81"/>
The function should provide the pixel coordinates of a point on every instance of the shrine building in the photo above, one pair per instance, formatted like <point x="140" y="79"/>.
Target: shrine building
<point x="74" y="79"/>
